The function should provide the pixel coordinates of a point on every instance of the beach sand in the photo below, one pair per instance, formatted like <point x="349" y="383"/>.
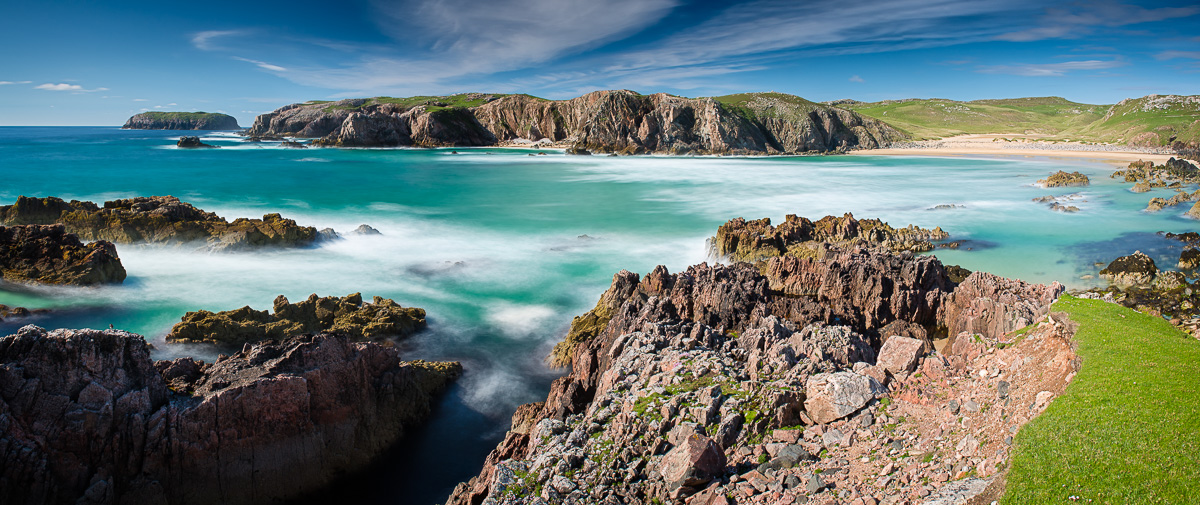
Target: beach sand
<point x="992" y="145"/>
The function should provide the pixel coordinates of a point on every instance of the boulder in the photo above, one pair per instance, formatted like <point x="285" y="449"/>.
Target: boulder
<point x="899" y="355"/>
<point x="833" y="396"/>
<point x="47" y="254"/>
<point x="693" y="463"/>
<point x="1189" y="259"/>
<point x="90" y="418"/>
<point x="347" y="315"/>
<point x="1133" y="270"/>
<point x="365" y="230"/>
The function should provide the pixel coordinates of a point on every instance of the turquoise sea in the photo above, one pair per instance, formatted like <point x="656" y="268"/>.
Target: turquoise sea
<point x="502" y="248"/>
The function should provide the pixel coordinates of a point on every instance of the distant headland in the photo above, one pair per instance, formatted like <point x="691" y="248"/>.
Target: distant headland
<point x="182" y="121"/>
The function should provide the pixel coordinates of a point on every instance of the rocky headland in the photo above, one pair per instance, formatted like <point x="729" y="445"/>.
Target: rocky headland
<point x="798" y="379"/>
<point x="163" y="220"/>
<point x="347" y="315"/>
<point x="182" y="121"/>
<point x="48" y="254"/>
<point x="603" y="121"/>
<point x="87" y="417"/>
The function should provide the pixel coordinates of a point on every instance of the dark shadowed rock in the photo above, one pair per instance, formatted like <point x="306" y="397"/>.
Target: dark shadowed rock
<point x="192" y="142"/>
<point x="347" y="315"/>
<point x="87" y="417"/>
<point x="1132" y="270"/>
<point x="49" y="255"/>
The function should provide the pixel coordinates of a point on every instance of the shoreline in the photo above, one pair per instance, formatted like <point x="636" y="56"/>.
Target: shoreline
<point x="991" y="145"/>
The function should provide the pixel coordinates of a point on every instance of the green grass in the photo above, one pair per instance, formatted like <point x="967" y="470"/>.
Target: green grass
<point x="938" y="118"/>
<point x="1127" y="428"/>
<point x="431" y="103"/>
<point x="180" y="116"/>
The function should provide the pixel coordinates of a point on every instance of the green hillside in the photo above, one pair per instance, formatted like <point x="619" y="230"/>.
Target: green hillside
<point x="938" y="118"/>
<point x="1154" y="120"/>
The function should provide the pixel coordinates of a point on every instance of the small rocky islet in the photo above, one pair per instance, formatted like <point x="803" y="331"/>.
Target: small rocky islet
<point x="181" y="121"/>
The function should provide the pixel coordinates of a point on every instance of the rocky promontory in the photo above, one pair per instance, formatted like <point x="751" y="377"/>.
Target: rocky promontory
<point x="182" y="121"/>
<point x="619" y="121"/>
<point x="87" y="417"/>
<point x="742" y="240"/>
<point x="347" y="315"/>
<point x="158" y="220"/>
<point x="47" y="254"/>
<point x="801" y="379"/>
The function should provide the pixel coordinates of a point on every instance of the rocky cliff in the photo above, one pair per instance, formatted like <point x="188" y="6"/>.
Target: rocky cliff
<point x="87" y="417"/>
<point x="347" y="315"/>
<point x="182" y="121"/>
<point x="49" y="255"/>
<point x="759" y="384"/>
<point x="603" y="121"/>
<point x="158" y="220"/>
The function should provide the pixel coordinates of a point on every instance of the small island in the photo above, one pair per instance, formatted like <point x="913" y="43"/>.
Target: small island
<point x="182" y="121"/>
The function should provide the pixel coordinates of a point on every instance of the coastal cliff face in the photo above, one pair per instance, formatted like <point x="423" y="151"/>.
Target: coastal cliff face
<point x="604" y="121"/>
<point x="49" y="255"/>
<point x="758" y="384"/>
<point x="87" y="417"/>
<point x="182" y="121"/>
<point x="158" y="220"/>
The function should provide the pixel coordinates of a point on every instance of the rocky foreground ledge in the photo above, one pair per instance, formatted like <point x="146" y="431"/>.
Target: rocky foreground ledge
<point x="47" y="254"/>
<point x="161" y="220"/>
<point x="799" y="379"/>
<point x="87" y="417"/>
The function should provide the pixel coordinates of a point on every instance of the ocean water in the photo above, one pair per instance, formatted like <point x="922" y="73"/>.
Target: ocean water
<point x="502" y="248"/>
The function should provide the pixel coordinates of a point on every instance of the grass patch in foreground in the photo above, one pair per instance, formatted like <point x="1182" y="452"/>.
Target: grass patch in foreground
<point x="1127" y="429"/>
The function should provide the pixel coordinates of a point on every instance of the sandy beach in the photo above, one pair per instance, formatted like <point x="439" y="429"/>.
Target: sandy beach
<point x="1019" y="146"/>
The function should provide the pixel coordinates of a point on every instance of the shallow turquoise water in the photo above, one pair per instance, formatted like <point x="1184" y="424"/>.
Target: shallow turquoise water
<point x="489" y="241"/>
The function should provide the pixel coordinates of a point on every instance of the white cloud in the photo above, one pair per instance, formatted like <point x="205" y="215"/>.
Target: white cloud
<point x="59" y="87"/>
<point x="204" y="40"/>
<point x="1170" y="55"/>
<point x="1049" y="69"/>
<point x="158" y="106"/>
<point x="140" y="100"/>
<point x="262" y="64"/>
<point x="2" y="83"/>
<point x="855" y="78"/>
<point x="172" y="103"/>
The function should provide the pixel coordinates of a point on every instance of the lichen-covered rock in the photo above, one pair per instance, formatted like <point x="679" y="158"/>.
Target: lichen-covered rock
<point x="1132" y="270"/>
<point x="158" y="220"/>
<point x="1061" y="178"/>
<point x="741" y="240"/>
<point x="832" y="396"/>
<point x="87" y="417"/>
<point x="347" y="315"/>
<point x="47" y="254"/>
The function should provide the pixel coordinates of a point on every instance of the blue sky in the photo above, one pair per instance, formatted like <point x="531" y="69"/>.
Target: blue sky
<point x="97" y="63"/>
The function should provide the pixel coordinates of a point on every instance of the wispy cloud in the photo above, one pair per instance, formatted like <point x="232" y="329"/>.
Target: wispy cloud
<point x="262" y="64"/>
<point x="1082" y="18"/>
<point x="2" y="83"/>
<point x="855" y="78"/>
<point x="1170" y="55"/>
<point x="205" y="40"/>
<point x="1049" y="69"/>
<point x="140" y="100"/>
<point x="67" y="87"/>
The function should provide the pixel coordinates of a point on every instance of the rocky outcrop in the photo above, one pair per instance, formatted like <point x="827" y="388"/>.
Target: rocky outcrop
<point x="345" y="316"/>
<point x="13" y="312"/>
<point x="1132" y="270"/>
<point x="677" y="370"/>
<point x="192" y="143"/>
<point x="994" y="306"/>
<point x="182" y="121"/>
<point x="161" y="220"/>
<point x="1060" y="178"/>
<point x="49" y="255"/>
<point x="603" y="121"/>
<point x="87" y="417"/>
<point x="742" y="240"/>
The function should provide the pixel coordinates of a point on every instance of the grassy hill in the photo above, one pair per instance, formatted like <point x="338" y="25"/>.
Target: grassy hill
<point x="1155" y="120"/>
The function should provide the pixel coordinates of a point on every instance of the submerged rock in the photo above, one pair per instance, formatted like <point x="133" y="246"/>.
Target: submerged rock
<point x="347" y="315"/>
<point x="158" y="220"/>
<point x="47" y="254"/>
<point x="89" y="418"/>
<point x="1061" y="178"/>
